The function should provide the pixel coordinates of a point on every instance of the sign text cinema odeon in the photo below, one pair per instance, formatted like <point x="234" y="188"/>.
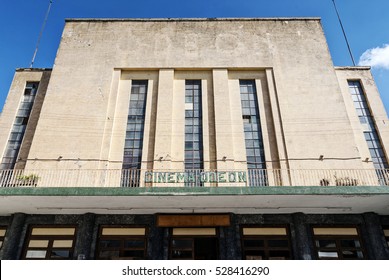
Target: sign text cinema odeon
<point x="196" y="176"/>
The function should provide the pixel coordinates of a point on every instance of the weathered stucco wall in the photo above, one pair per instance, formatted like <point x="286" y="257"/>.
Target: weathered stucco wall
<point x="307" y="109"/>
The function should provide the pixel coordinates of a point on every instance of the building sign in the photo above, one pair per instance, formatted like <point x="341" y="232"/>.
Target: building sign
<point x="196" y="176"/>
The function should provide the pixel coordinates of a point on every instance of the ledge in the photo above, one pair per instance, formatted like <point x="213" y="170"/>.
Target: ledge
<point x="198" y="191"/>
<point x="355" y="68"/>
<point x="191" y="19"/>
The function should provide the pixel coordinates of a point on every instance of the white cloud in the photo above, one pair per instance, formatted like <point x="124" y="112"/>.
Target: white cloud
<point x="376" y="57"/>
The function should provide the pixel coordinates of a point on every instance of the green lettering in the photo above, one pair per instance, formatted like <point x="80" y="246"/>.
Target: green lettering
<point x="148" y="177"/>
<point x="242" y="176"/>
<point x="161" y="177"/>
<point x="204" y="177"/>
<point x="231" y="177"/>
<point x="222" y="179"/>
<point x="170" y="177"/>
<point x="180" y="177"/>
<point x="212" y="177"/>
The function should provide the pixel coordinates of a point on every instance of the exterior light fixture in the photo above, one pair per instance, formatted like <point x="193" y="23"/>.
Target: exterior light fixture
<point x="321" y="157"/>
<point x="224" y="158"/>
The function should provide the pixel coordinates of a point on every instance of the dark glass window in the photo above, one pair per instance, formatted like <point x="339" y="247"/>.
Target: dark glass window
<point x="193" y="131"/>
<point x="338" y="243"/>
<point x="255" y="154"/>
<point x="3" y="230"/>
<point x="50" y="242"/>
<point x="19" y="126"/>
<point x="121" y="243"/>
<point x="132" y="158"/>
<point x="266" y="243"/>
<point x="386" y="233"/>
<point x="371" y="135"/>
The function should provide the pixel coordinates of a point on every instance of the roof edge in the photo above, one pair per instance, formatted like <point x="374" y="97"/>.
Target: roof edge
<point x="191" y="19"/>
<point x="32" y="69"/>
<point x="352" y="67"/>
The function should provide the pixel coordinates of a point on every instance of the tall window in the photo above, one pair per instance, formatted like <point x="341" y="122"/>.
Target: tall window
<point x="253" y="135"/>
<point x="19" y="126"/>
<point x="134" y="134"/>
<point x="193" y="130"/>
<point x="371" y="135"/>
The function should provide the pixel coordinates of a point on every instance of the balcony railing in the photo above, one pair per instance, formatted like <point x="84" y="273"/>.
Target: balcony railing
<point x="192" y="178"/>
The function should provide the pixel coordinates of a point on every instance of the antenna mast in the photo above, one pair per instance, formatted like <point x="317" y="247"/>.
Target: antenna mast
<point x="40" y="34"/>
<point x="344" y="33"/>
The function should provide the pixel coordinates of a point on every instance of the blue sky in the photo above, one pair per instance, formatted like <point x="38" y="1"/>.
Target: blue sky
<point x="366" y="24"/>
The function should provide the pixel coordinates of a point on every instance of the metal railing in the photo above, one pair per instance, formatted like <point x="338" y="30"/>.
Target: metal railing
<point x="193" y="178"/>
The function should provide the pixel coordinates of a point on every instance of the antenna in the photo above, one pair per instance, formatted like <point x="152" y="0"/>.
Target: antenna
<point x="344" y="33"/>
<point x="40" y="34"/>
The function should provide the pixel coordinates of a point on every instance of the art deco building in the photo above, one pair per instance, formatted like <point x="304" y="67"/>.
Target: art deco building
<point x="194" y="139"/>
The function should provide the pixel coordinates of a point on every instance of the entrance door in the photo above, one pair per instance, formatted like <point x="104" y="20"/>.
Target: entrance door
<point x="194" y="244"/>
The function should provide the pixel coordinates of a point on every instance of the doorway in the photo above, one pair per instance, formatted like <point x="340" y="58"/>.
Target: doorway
<point x="194" y="244"/>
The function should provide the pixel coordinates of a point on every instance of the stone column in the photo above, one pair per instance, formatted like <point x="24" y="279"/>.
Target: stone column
<point x="85" y="238"/>
<point x="301" y="238"/>
<point x="14" y="238"/>
<point x="375" y="239"/>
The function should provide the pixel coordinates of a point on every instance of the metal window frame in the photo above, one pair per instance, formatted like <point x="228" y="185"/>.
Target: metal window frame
<point x="266" y="238"/>
<point x="122" y="238"/>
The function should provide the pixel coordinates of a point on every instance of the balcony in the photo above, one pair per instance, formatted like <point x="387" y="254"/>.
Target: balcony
<point x="193" y="191"/>
<point x="252" y="178"/>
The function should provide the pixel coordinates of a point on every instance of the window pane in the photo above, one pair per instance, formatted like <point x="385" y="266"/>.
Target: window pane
<point x="60" y="254"/>
<point x="253" y="243"/>
<point x="325" y="243"/>
<point x="134" y="243"/>
<point x="278" y="243"/>
<point x="325" y="254"/>
<point x="32" y="254"/>
<point x="110" y="243"/>
<point x="182" y="243"/>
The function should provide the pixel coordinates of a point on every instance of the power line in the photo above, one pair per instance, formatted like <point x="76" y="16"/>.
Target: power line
<point x="40" y="34"/>
<point x="344" y="33"/>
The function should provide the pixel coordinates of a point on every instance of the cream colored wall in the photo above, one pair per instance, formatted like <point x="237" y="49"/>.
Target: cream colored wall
<point x="377" y="108"/>
<point x="308" y="113"/>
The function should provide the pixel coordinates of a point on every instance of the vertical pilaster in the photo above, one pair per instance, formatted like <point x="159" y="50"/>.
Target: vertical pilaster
<point x="375" y="239"/>
<point x="278" y="128"/>
<point x="223" y="122"/>
<point x="14" y="238"/>
<point x="85" y="237"/>
<point x="231" y="239"/>
<point x="301" y="238"/>
<point x="165" y="122"/>
<point x="156" y="245"/>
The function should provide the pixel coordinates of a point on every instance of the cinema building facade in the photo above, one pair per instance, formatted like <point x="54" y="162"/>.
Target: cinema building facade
<point x="194" y="139"/>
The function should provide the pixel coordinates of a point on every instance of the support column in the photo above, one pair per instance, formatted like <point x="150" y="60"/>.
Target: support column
<point x="231" y="240"/>
<point x="278" y="129"/>
<point x="156" y="243"/>
<point x="14" y="238"/>
<point x="164" y="127"/>
<point x="301" y="238"/>
<point x="223" y="122"/>
<point x="375" y="238"/>
<point x="85" y="238"/>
